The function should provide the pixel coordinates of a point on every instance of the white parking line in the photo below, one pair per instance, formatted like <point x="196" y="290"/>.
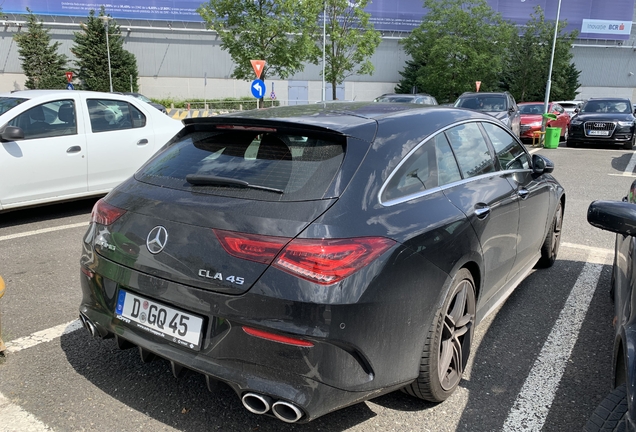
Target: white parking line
<point x="534" y="401"/>
<point x="629" y="169"/>
<point x="42" y="336"/>
<point x="16" y="419"/>
<point x="42" y="231"/>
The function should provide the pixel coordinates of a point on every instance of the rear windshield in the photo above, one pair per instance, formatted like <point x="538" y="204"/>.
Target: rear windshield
<point x="265" y="166"/>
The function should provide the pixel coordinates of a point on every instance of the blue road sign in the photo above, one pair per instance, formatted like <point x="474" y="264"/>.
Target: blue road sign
<point x="258" y="88"/>
<point x="70" y="86"/>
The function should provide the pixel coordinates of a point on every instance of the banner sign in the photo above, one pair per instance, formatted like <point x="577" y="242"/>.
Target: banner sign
<point x="606" y="27"/>
<point x="386" y="15"/>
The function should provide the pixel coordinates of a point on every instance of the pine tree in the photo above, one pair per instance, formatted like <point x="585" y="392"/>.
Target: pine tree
<point x="41" y="63"/>
<point x="91" y="52"/>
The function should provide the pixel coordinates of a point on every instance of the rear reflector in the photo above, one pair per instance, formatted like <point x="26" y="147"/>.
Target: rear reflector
<point x="105" y="214"/>
<point x="276" y="337"/>
<point x="324" y="261"/>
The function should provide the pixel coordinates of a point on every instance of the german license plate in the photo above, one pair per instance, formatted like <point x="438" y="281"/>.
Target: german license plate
<point x="598" y="133"/>
<point x="160" y="320"/>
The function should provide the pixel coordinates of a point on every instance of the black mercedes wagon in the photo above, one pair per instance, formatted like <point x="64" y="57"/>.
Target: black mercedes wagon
<point x="313" y="257"/>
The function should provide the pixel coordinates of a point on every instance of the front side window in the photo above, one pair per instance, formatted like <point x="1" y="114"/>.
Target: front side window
<point x="48" y="120"/>
<point x="508" y="151"/>
<point x="471" y="150"/>
<point x="110" y="115"/>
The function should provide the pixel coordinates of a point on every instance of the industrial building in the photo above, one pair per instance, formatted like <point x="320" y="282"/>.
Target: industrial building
<point x="182" y="60"/>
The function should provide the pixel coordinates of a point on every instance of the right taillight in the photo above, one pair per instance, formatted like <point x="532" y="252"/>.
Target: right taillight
<point x="105" y="214"/>
<point x="324" y="261"/>
<point x="327" y="261"/>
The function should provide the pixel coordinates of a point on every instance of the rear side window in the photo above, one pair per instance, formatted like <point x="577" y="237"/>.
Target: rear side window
<point x="430" y="166"/>
<point x="110" y="115"/>
<point x="245" y="164"/>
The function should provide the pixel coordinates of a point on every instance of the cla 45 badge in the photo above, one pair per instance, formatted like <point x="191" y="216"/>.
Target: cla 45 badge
<point x="219" y="276"/>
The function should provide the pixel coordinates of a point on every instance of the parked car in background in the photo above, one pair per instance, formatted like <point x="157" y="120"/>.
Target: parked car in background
<point x="608" y="121"/>
<point x="419" y="98"/>
<point x="148" y="101"/>
<point x="59" y="145"/>
<point x="570" y="106"/>
<point x="313" y="256"/>
<point x="617" y="412"/>
<point x="532" y="118"/>
<point x="501" y="105"/>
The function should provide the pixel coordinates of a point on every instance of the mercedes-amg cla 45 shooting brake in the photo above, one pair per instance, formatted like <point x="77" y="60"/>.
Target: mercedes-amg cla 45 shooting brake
<point x="313" y="257"/>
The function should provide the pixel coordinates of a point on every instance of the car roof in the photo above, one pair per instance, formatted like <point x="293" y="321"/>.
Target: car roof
<point x="355" y="119"/>
<point x="483" y="94"/>
<point x="32" y="94"/>
<point x="405" y="94"/>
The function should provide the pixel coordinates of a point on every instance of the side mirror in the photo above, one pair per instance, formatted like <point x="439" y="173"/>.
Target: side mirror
<point x="576" y="110"/>
<point x="11" y="133"/>
<point x="615" y="216"/>
<point x="541" y="165"/>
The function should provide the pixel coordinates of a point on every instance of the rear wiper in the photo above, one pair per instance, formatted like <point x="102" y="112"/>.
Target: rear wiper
<point x="210" y="180"/>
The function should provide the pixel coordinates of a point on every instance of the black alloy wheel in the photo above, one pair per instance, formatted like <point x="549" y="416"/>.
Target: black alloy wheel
<point x="447" y="347"/>
<point x="550" y="248"/>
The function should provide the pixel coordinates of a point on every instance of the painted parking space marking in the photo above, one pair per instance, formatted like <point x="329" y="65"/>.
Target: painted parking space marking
<point x="43" y="230"/>
<point x="42" y="336"/>
<point x="629" y="169"/>
<point x="534" y="401"/>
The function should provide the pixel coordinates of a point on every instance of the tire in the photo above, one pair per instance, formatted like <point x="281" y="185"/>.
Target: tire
<point x="447" y="345"/>
<point x="610" y="414"/>
<point x="566" y="134"/>
<point x="550" y="247"/>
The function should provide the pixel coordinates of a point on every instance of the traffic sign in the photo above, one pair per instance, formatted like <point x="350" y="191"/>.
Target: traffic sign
<point x="258" y="66"/>
<point x="272" y="95"/>
<point x="69" y="76"/>
<point x="70" y="86"/>
<point x="258" y="88"/>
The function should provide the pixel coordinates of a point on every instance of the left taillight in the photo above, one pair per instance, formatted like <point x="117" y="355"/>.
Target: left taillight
<point x="105" y="214"/>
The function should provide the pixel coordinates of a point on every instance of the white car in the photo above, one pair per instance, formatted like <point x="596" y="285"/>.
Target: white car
<point x="570" y="106"/>
<point x="58" y="145"/>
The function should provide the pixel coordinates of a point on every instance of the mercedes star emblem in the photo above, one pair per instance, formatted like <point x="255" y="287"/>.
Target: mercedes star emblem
<point x="157" y="239"/>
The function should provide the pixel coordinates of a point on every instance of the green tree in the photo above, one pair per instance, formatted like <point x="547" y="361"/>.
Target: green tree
<point x="529" y="62"/>
<point x="89" y="47"/>
<point x="409" y="77"/>
<point x="280" y="32"/>
<point x="43" y="66"/>
<point x="350" y="40"/>
<point x="459" y="42"/>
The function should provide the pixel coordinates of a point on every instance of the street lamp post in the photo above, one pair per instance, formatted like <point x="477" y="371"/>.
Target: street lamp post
<point x="106" y="18"/>
<point x="324" y="47"/>
<point x="549" y="83"/>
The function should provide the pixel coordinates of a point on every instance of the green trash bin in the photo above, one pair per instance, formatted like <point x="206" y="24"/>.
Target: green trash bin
<point x="552" y="137"/>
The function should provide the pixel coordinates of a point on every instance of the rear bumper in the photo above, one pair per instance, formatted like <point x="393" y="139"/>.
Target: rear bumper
<point x="361" y="349"/>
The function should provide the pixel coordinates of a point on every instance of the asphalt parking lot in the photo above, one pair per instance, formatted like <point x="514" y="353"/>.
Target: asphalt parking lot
<point x="542" y="362"/>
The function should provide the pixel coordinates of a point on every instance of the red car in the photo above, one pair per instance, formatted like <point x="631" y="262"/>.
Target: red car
<point x="531" y="117"/>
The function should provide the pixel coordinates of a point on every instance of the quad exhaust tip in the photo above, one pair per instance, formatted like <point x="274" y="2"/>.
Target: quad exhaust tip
<point x="256" y="403"/>
<point x="287" y="412"/>
<point x="88" y="325"/>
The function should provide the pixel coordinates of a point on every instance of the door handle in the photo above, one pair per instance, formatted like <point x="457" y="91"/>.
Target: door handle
<point x="523" y="193"/>
<point x="142" y="141"/>
<point x="74" y="149"/>
<point x="482" y="212"/>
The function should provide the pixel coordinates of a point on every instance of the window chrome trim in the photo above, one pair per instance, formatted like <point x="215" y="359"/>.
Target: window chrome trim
<point x="420" y="194"/>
